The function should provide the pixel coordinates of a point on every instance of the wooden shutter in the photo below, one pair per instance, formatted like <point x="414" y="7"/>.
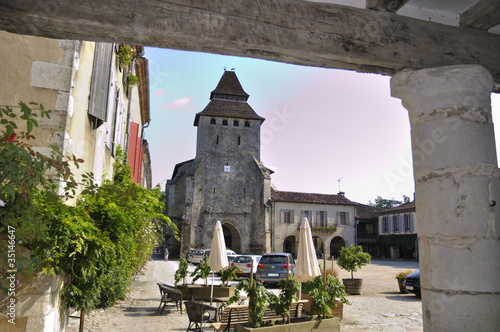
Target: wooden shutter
<point x="302" y="215"/>
<point x="282" y="216"/>
<point x="412" y="227"/>
<point x="326" y="218"/>
<point x="337" y="218"/>
<point x="397" y="226"/>
<point x="318" y="219"/>
<point x="348" y="218"/>
<point x="99" y="85"/>
<point x="292" y="218"/>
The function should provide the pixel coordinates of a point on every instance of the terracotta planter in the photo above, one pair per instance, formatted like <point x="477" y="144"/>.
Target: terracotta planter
<point x="296" y="325"/>
<point x="337" y="311"/>
<point x="402" y="288"/>
<point x="353" y="286"/>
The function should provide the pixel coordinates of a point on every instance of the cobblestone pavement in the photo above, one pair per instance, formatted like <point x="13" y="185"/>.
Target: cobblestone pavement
<point x="381" y="306"/>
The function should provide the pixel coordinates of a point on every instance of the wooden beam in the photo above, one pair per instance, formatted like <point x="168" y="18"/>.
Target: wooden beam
<point x="296" y="32"/>
<point x="391" y="6"/>
<point x="483" y="15"/>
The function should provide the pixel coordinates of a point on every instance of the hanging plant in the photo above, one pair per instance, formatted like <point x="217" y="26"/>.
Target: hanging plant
<point x="126" y="54"/>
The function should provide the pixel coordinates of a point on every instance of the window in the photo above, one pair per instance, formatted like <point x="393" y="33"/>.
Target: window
<point x="224" y="122"/>
<point x="385" y="224"/>
<point x="321" y="219"/>
<point x="212" y="121"/>
<point x="408" y="219"/>
<point x="236" y="123"/>
<point x="306" y="214"/>
<point x="239" y="140"/>
<point x="247" y="124"/>
<point x="286" y="216"/>
<point x="343" y="219"/>
<point x="395" y="221"/>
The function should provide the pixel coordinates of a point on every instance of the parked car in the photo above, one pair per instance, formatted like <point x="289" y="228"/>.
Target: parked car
<point x="197" y="257"/>
<point x="412" y="282"/>
<point x="189" y="254"/>
<point x="244" y="263"/>
<point x="272" y="267"/>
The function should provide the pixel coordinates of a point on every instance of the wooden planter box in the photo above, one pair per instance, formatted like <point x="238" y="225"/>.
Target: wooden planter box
<point x="296" y="325"/>
<point x="203" y="292"/>
<point x="337" y="311"/>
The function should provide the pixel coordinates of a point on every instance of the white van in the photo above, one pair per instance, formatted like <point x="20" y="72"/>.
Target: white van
<point x="197" y="258"/>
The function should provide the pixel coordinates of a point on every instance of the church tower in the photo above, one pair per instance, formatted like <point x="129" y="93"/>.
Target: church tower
<point x="226" y="181"/>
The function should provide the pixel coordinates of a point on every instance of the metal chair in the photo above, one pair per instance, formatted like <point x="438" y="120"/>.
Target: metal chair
<point x="198" y="314"/>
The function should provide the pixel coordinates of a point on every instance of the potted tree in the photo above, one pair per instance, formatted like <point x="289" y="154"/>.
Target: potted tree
<point x="351" y="259"/>
<point x="202" y="271"/>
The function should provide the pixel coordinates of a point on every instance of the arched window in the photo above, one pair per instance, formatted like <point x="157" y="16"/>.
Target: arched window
<point x="212" y="121"/>
<point x="247" y="124"/>
<point x="236" y="123"/>
<point x="224" y="122"/>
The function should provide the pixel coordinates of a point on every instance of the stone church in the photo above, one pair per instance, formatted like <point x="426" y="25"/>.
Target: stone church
<point x="226" y="180"/>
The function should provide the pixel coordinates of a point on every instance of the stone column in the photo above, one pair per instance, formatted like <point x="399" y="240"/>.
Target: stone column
<point x="457" y="195"/>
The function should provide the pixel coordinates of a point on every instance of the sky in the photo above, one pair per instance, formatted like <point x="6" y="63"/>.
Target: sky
<point x="326" y="130"/>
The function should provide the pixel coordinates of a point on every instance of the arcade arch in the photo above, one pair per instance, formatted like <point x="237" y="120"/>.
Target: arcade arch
<point x="231" y="236"/>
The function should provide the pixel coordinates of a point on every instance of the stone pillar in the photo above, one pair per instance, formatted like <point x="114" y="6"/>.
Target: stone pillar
<point x="457" y="195"/>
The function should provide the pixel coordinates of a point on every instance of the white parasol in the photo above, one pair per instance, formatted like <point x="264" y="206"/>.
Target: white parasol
<point x="218" y="256"/>
<point x="306" y="266"/>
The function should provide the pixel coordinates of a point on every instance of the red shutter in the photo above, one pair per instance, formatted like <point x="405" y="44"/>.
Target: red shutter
<point x="135" y="152"/>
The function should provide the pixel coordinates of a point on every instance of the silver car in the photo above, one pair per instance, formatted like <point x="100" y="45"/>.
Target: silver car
<point x="244" y="263"/>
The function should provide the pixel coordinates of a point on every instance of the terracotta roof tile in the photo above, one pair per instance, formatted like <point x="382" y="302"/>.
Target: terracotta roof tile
<point x="402" y="208"/>
<point x="295" y="197"/>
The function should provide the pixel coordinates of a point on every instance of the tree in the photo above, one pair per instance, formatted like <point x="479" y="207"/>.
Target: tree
<point x="388" y="203"/>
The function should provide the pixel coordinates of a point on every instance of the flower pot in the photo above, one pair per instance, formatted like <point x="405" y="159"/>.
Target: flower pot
<point x="353" y="286"/>
<point x="402" y="288"/>
<point x="337" y="311"/>
<point x="296" y="325"/>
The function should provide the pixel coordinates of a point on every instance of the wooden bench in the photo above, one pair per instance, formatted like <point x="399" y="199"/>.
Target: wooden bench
<point x="239" y="314"/>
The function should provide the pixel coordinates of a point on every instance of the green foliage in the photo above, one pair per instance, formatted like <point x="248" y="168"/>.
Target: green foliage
<point x="324" y="295"/>
<point x="282" y="303"/>
<point x="227" y="274"/>
<point x="201" y="271"/>
<point x="99" y="243"/>
<point x="182" y="272"/>
<point x="132" y="79"/>
<point x="388" y="203"/>
<point x="350" y="259"/>
<point x="126" y="54"/>
<point x="259" y="299"/>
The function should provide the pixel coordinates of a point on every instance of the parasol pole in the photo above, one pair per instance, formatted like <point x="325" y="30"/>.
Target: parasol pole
<point x="324" y="272"/>
<point x="212" y="291"/>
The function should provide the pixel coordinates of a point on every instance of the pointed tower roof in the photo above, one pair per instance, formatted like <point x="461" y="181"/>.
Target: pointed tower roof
<point x="229" y="100"/>
<point x="229" y="85"/>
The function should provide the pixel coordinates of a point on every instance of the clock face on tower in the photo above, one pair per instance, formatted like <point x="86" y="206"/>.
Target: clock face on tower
<point x="227" y="168"/>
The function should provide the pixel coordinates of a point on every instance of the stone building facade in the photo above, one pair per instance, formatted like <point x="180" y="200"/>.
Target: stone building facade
<point x="93" y="110"/>
<point x="398" y="232"/>
<point x="331" y="217"/>
<point x="226" y="181"/>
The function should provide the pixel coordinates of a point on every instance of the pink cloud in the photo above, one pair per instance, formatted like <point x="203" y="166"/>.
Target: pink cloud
<point x="159" y="92"/>
<point x="179" y="103"/>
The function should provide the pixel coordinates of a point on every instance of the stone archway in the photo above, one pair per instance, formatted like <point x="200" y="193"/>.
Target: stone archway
<point x="337" y="243"/>
<point x="231" y="237"/>
<point x="319" y="246"/>
<point x="290" y="245"/>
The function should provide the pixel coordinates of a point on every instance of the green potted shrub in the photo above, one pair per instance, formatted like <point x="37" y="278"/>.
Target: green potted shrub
<point x="182" y="272"/>
<point x="227" y="274"/>
<point x="259" y="299"/>
<point x="325" y="299"/>
<point x="400" y="277"/>
<point x="351" y="259"/>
